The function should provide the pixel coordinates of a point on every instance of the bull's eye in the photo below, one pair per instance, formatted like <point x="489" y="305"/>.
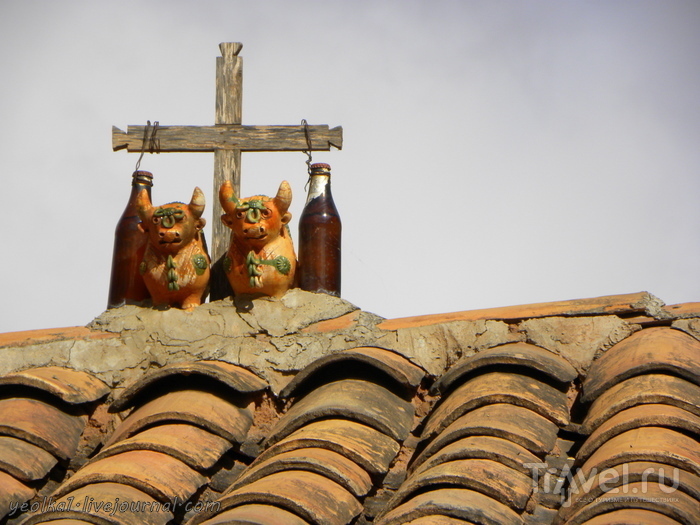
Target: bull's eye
<point x="266" y="213"/>
<point x="240" y="214"/>
<point x="155" y="220"/>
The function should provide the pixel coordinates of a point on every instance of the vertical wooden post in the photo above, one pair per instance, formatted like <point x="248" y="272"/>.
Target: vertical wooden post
<point x="227" y="162"/>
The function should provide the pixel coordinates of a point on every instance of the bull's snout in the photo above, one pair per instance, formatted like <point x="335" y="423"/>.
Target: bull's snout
<point x="169" y="236"/>
<point x="255" y="232"/>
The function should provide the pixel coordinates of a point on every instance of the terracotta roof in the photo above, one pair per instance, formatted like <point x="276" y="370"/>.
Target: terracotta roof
<point x="309" y="411"/>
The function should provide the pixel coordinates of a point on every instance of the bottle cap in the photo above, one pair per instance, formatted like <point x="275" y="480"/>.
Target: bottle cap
<point x="144" y="177"/>
<point x="320" y="166"/>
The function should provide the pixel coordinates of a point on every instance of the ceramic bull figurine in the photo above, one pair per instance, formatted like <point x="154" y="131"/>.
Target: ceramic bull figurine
<point x="175" y="265"/>
<point x="260" y="259"/>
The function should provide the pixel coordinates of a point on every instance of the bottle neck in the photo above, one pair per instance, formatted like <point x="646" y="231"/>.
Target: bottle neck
<point x="318" y="185"/>
<point x="136" y="186"/>
<point x="136" y="189"/>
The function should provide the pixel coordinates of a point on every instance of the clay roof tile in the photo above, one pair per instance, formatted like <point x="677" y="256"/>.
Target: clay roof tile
<point x="496" y="480"/>
<point x="233" y="376"/>
<point x="389" y="362"/>
<point x="42" y="424"/>
<point x="517" y="424"/>
<point x="311" y="496"/>
<point x="159" y="475"/>
<point x="459" y="503"/>
<point x="104" y="504"/>
<point x="499" y="387"/>
<point x="194" y="446"/>
<point x="683" y="508"/>
<point x="658" y="349"/>
<point x="371" y="449"/>
<point x="522" y="355"/>
<point x="354" y="399"/>
<point x="640" y="390"/>
<point x="13" y="493"/>
<point x="333" y="465"/>
<point x="72" y="386"/>
<point x="215" y="413"/>
<point x="256" y="514"/>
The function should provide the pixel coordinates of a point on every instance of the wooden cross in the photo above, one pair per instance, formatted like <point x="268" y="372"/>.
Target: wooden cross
<point x="227" y="138"/>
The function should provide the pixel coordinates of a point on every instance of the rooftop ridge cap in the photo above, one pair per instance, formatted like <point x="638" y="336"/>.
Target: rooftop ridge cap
<point x="639" y="302"/>
<point x="47" y="335"/>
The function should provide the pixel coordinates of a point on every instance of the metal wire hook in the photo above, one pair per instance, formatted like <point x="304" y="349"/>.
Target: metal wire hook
<point x="154" y="144"/>
<point x="309" y="160"/>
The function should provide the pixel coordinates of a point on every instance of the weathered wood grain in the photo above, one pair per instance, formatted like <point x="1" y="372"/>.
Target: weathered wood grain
<point x="230" y="137"/>
<point x="227" y="161"/>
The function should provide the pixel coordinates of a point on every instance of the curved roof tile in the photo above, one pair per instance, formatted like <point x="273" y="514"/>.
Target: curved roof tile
<point x="354" y="399"/>
<point x="683" y="508"/>
<point x="42" y="424"/>
<point x="210" y="411"/>
<point x="235" y="377"/>
<point x="482" y="447"/>
<point x="456" y="503"/>
<point x="12" y="493"/>
<point x="256" y="514"/>
<point x="23" y="460"/>
<point x="614" y="480"/>
<point x="491" y="478"/>
<point x="656" y="444"/>
<point x="333" y="465"/>
<point x="520" y="354"/>
<point x="436" y="519"/>
<point x="659" y="349"/>
<point x="161" y="476"/>
<point x="655" y="415"/>
<point x="65" y="521"/>
<point x="369" y="448"/>
<point x="72" y="386"/>
<point x="389" y="362"/>
<point x="517" y="424"/>
<point x="315" y="498"/>
<point x="499" y="387"/>
<point x="194" y="446"/>
<point x="639" y="390"/>
<point x="106" y="504"/>
<point x="618" y="516"/>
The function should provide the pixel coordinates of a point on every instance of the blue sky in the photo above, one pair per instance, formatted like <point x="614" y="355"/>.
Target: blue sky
<point x="496" y="152"/>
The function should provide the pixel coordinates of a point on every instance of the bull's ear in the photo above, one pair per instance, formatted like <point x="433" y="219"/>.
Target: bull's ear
<point x="284" y="197"/>
<point x="200" y="224"/>
<point x="286" y="217"/>
<point x="227" y="220"/>
<point x="144" y="206"/>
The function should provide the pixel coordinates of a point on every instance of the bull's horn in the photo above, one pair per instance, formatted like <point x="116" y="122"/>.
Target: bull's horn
<point x="227" y="197"/>
<point x="197" y="203"/>
<point x="284" y="197"/>
<point x="143" y="205"/>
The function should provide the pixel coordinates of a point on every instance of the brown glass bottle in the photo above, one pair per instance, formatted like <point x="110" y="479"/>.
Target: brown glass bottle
<point x="319" y="236"/>
<point x="126" y="285"/>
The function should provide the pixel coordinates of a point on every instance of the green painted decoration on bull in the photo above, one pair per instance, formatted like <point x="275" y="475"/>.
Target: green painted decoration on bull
<point x="168" y="216"/>
<point x="280" y="263"/>
<point x="253" y="210"/>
